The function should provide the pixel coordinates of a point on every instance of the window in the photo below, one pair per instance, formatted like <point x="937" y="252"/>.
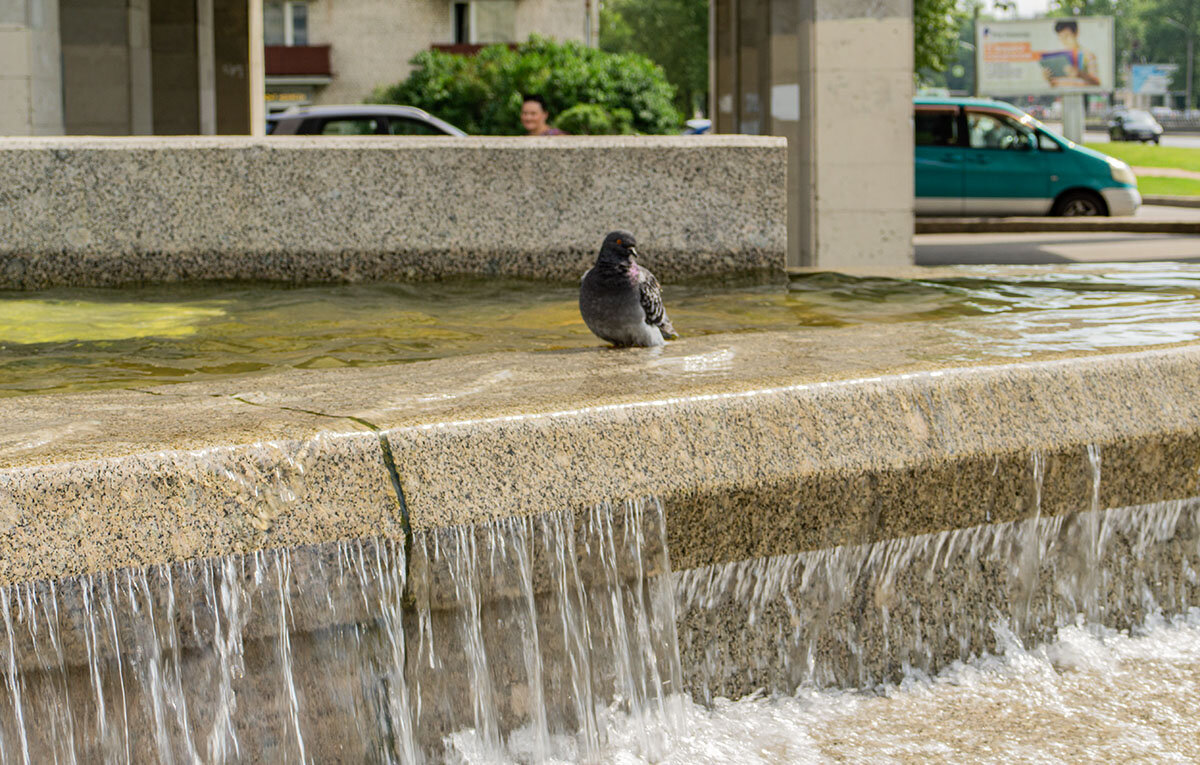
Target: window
<point x="993" y="131"/>
<point x="1046" y="143"/>
<point x="462" y="23"/>
<point x="285" y="22"/>
<point x="484" y="22"/>
<point x="936" y="127"/>
<point x="402" y="126"/>
<point x="364" y="126"/>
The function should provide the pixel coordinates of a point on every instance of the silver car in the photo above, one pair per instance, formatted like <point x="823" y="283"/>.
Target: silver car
<point x="358" y="119"/>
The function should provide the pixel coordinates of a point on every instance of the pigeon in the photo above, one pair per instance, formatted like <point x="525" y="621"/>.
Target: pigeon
<point x="620" y="301"/>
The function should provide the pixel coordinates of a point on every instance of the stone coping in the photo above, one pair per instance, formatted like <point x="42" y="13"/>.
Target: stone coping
<point x="108" y="211"/>
<point x="757" y="444"/>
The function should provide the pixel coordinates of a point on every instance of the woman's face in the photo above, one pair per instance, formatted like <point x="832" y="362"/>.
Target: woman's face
<point x="1068" y="38"/>
<point x="533" y="117"/>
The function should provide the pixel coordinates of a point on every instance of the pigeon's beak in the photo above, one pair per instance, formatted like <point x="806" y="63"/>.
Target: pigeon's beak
<point x="633" y="253"/>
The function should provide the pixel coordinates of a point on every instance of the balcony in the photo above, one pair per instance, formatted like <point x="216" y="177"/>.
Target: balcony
<point x="297" y="61"/>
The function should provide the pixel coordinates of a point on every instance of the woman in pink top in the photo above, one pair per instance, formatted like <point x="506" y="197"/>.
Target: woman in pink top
<point x="534" y="115"/>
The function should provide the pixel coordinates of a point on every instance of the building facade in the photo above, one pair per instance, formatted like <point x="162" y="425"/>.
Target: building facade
<point x="340" y="51"/>
<point x="142" y="67"/>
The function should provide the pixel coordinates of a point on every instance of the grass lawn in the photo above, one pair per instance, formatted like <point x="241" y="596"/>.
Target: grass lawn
<point x="1183" y="187"/>
<point x="1149" y="155"/>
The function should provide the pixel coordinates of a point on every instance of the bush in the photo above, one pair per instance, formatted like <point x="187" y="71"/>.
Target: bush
<point x="590" y="119"/>
<point x="482" y="94"/>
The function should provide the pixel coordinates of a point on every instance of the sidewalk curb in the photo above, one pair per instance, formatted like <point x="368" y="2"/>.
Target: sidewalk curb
<point x="1036" y="225"/>
<point x="1171" y="201"/>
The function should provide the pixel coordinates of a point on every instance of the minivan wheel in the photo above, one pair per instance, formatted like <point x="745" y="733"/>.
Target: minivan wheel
<point x="1080" y="202"/>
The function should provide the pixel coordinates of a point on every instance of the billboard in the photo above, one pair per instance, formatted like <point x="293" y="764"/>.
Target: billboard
<point x="1045" y="56"/>
<point x="1151" y="79"/>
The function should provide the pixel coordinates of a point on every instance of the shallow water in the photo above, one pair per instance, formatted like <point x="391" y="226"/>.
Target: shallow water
<point x="72" y="339"/>
<point x="1091" y="695"/>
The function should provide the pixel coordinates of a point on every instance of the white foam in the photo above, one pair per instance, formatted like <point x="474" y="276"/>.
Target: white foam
<point x="1091" y="695"/>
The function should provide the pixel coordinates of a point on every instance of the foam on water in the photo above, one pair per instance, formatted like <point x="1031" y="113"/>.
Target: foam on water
<point x="1091" y="695"/>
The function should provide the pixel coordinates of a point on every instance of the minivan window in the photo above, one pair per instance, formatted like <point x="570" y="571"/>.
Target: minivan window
<point x="1046" y="143"/>
<point x="936" y="127"/>
<point x="992" y="131"/>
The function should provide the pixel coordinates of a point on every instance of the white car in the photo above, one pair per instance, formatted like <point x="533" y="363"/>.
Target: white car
<point x="359" y="119"/>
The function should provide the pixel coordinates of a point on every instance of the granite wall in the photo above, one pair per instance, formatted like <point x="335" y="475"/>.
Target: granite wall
<point x="114" y="211"/>
<point x="863" y="484"/>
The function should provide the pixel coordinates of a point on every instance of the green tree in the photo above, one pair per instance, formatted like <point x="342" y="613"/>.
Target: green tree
<point x="671" y="33"/>
<point x="936" y="26"/>
<point x="482" y="94"/>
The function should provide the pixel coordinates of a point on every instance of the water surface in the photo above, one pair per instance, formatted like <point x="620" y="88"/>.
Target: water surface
<point x="72" y="339"/>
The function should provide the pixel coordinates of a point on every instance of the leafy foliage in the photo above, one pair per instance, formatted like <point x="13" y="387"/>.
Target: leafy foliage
<point x="935" y="34"/>
<point x="672" y="33"/>
<point x="482" y="94"/>
<point x="590" y="119"/>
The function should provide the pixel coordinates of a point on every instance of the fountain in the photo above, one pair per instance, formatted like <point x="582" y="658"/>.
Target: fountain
<point x="566" y="553"/>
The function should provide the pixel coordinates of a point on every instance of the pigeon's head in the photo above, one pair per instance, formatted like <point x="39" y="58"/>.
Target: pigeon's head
<point x="619" y="247"/>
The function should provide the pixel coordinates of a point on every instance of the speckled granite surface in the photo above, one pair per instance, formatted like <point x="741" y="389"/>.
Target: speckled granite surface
<point x="758" y="444"/>
<point x="92" y="211"/>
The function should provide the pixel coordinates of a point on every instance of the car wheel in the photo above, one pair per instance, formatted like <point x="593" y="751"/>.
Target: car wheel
<point x="1080" y="203"/>
<point x="1156" y="140"/>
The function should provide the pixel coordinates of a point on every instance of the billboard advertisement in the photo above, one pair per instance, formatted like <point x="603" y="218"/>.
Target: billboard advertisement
<point x="1152" y="79"/>
<point x="1045" y="56"/>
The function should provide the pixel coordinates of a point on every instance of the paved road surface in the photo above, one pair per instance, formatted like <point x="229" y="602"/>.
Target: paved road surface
<point x="1032" y="249"/>
<point x="1163" y="212"/>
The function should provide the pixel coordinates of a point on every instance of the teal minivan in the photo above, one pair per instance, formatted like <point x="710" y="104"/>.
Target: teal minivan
<point x="981" y="157"/>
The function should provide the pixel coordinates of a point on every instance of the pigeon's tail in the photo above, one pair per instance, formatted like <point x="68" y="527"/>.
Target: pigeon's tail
<point x="668" y="331"/>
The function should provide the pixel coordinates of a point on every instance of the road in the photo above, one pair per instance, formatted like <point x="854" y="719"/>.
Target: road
<point x="1183" y="140"/>
<point x="1045" y="248"/>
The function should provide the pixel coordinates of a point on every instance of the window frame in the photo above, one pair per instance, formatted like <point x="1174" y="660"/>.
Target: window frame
<point x="1002" y="116"/>
<point x="289" y="22"/>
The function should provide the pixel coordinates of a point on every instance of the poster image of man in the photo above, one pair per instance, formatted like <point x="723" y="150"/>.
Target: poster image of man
<point x="1073" y="65"/>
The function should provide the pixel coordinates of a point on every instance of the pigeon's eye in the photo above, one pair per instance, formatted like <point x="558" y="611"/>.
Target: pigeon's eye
<point x="620" y="241"/>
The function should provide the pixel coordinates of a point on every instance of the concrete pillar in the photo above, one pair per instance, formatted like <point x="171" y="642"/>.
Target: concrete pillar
<point x="835" y="78"/>
<point x="257" y="71"/>
<point x="206" y="67"/>
<point x="1073" y="117"/>
<point x="231" y="24"/>
<point x="30" y="68"/>
<point x="141" y="82"/>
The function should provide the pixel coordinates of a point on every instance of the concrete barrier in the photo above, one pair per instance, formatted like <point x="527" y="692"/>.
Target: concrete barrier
<point x="110" y="211"/>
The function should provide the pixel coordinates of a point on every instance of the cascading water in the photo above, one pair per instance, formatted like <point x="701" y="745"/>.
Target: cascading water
<point x="553" y="638"/>
<point x="858" y="616"/>
<point x="519" y="638"/>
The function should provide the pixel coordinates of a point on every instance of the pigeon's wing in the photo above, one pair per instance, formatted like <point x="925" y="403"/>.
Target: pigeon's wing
<point x="651" y="295"/>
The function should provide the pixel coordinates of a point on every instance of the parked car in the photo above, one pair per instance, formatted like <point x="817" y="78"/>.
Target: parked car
<point x="358" y="119"/>
<point x="697" y="126"/>
<point x="983" y="157"/>
<point x="1134" y="125"/>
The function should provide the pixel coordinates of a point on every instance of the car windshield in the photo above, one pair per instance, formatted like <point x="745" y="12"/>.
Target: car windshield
<point x="1139" y="117"/>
